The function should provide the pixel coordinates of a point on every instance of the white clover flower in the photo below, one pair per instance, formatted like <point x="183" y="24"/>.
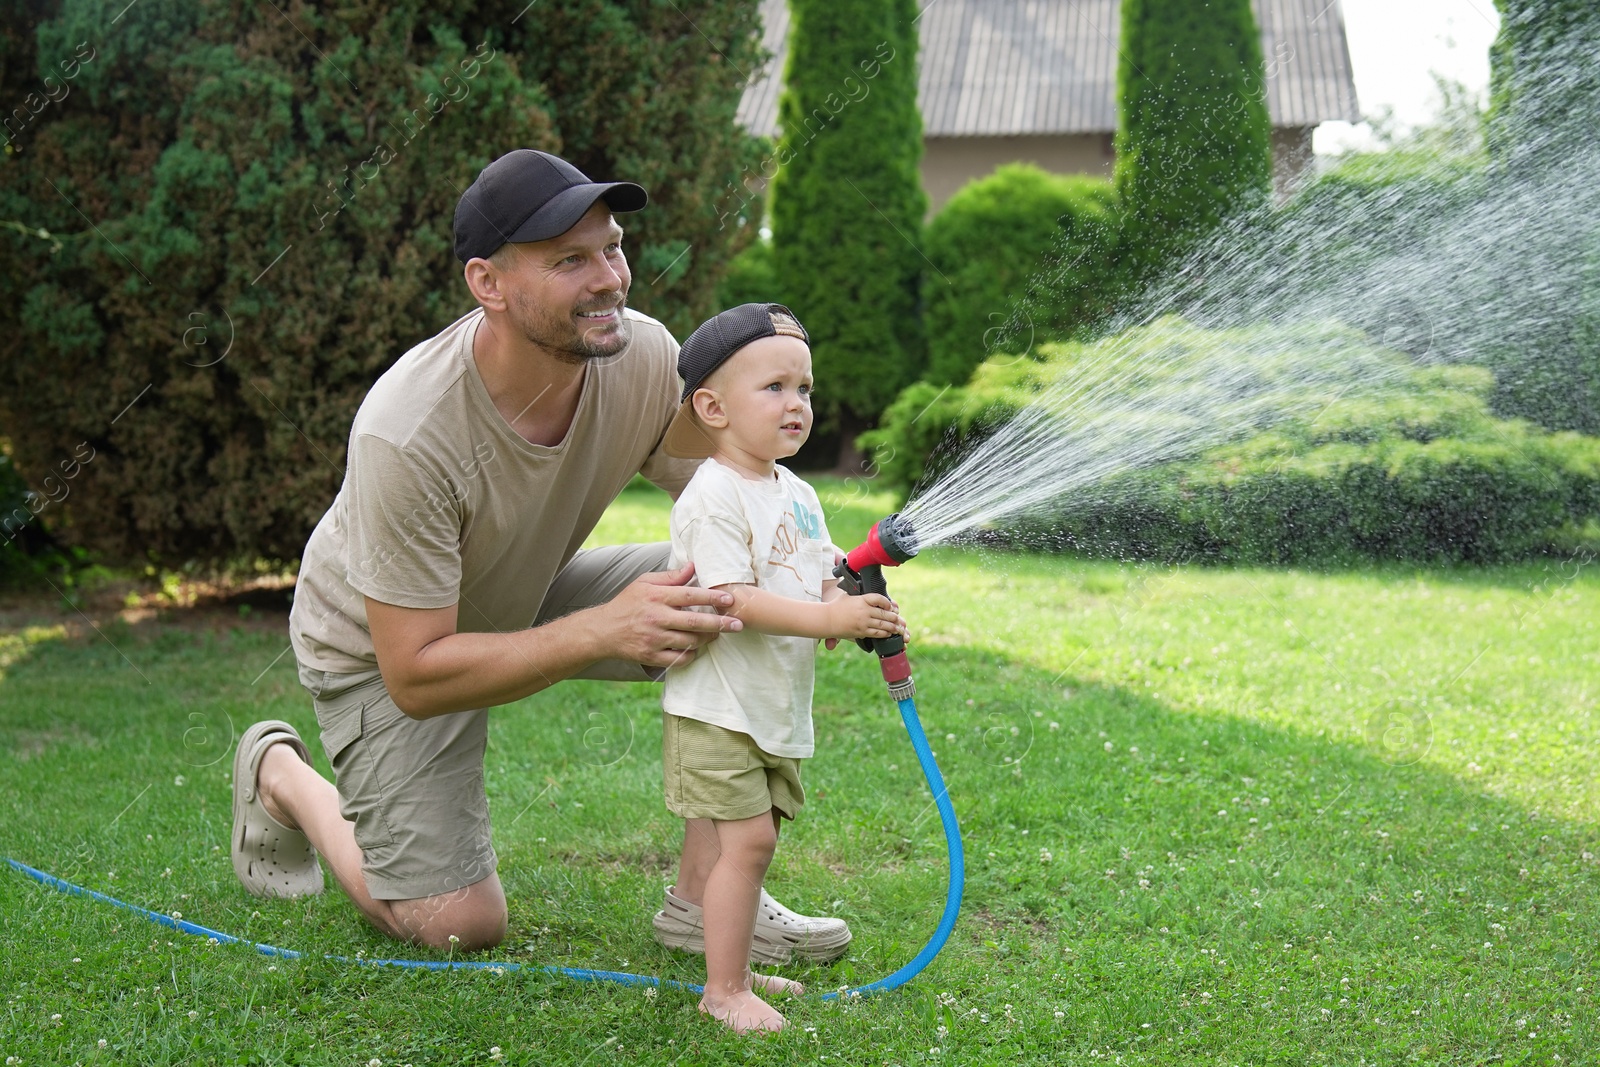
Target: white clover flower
<point x="193" y="1015"/>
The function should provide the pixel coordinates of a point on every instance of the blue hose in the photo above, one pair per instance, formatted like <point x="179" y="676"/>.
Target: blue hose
<point x="947" y="922"/>
<point x="958" y="862"/>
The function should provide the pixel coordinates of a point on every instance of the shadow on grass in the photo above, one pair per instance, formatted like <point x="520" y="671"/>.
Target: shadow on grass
<point x="1132" y="853"/>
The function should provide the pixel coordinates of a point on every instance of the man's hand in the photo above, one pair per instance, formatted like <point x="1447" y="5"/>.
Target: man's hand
<point x="650" y="621"/>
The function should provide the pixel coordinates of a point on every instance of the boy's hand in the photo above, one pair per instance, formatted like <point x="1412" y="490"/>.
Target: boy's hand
<point x="870" y="615"/>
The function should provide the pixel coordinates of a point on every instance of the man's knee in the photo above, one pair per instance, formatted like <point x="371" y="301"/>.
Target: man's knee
<point x="465" y="934"/>
<point x="466" y="920"/>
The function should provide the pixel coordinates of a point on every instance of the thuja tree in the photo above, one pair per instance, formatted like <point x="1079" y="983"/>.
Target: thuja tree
<point x="647" y="91"/>
<point x="1545" y="88"/>
<point x="847" y="200"/>
<point x="219" y="224"/>
<point x="1194" y="141"/>
<point x="1543" y="288"/>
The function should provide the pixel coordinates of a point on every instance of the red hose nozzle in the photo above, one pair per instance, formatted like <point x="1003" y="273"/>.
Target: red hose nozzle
<point x="889" y="543"/>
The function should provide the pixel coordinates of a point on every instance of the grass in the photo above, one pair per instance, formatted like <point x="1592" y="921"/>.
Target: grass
<point x="1212" y="816"/>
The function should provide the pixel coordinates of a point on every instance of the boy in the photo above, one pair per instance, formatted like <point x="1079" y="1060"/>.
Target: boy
<point x="737" y="720"/>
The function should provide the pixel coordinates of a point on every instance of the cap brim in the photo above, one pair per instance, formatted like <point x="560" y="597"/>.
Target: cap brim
<point x="685" y="437"/>
<point x="562" y="211"/>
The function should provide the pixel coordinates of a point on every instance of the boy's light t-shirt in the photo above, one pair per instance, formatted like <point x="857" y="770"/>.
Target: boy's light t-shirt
<point x="769" y="534"/>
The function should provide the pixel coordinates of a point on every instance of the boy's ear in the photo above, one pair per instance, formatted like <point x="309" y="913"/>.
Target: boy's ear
<point x="708" y="408"/>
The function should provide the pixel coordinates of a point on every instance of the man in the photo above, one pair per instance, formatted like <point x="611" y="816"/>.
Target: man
<point x="447" y="578"/>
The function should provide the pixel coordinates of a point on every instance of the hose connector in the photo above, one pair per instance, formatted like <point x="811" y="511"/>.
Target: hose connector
<point x="897" y="673"/>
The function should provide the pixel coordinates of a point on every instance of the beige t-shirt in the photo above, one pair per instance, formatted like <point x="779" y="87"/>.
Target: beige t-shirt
<point x="443" y="503"/>
<point x="769" y="534"/>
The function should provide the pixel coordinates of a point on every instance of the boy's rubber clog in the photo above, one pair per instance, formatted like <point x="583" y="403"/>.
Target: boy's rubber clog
<point x="780" y="934"/>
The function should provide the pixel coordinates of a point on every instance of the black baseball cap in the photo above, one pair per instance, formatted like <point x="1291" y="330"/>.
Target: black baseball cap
<point x="709" y="347"/>
<point x="529" y="195"/>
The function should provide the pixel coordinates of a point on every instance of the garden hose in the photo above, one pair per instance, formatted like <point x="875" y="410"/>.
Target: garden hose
<point x="947" y="815"/>
<point x="890" y="543"/>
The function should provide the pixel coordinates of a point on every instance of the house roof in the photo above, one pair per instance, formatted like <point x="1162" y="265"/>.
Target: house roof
<point x="992" y="67"/>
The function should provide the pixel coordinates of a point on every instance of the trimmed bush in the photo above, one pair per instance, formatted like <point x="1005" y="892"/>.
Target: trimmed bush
<point x="1021" y="256"/>
<point x="1420" y="470"/>
<point x="1545" y="107"/>
<point x="1345" y="233"/>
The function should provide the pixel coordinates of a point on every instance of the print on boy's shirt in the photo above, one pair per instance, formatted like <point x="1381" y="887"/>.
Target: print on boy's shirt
<point x="797" y="522"/>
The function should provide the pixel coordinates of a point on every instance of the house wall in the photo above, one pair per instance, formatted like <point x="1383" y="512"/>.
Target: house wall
<point x="948" y="163"/>
<point x="1293" y="160"/>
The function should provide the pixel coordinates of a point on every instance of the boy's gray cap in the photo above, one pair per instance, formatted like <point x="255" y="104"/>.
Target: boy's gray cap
<point x="528" y="195"/>
<point x="708" y="348"/>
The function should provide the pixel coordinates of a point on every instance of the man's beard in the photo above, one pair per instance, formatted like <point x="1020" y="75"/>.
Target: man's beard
<point x="574" y="346"/>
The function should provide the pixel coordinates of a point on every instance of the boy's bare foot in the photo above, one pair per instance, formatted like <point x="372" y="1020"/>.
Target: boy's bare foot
<point x="743" y="1013"/>
<point x="773" y="984"/>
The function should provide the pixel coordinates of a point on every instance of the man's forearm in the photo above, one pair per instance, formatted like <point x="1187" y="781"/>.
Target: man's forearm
<point x="462" y="671"/>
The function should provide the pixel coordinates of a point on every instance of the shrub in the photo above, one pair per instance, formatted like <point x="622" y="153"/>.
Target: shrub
<point x="1419" y="469"/>
<point x="16" y="520"/>
<point x="1545" y="93"/>
<point x="1021" y="256"/>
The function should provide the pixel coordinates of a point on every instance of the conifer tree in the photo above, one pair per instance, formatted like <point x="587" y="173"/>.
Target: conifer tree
<point x="220" y="224"/>
<point x="1545" y="85"/>
<point x="847" y="200"/>
<point x="1194" y="141"/>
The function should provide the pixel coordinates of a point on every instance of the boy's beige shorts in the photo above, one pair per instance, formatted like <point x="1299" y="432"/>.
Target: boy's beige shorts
<point x="715" y="773"/>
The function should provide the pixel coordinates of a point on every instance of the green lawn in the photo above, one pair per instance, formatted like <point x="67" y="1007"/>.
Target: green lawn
<point x="1212" y="816"/>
